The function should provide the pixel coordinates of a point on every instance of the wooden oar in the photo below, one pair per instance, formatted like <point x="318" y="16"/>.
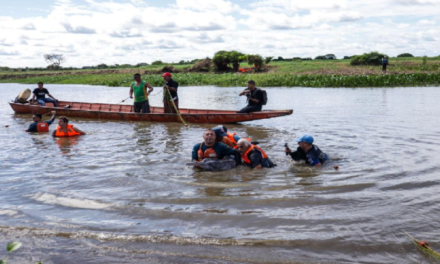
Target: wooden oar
<point x="423" y="246"/>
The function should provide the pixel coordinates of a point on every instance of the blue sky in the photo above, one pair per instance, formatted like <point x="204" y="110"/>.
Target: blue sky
<point x="90" y="32"/>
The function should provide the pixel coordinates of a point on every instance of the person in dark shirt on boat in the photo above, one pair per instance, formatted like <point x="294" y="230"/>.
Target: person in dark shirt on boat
<point x="139" y="88"/>
<point x="253" y="156"/>
<point x="255" y="98"/>
<point x="210" y="149"/>
<point x="308" y="152"/>
<point x="39" y="125"/>
<point x="170" y="94"/>
<point x="40" y="95"/>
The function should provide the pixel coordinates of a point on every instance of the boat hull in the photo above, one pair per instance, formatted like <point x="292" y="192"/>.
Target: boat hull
<point x="125" y="113"/>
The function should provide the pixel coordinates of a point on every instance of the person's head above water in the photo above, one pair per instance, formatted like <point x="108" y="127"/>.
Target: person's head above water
<point x="305" y="142"/>
<point x="220" y="130"/>
<point x="209" y="137"/>
<point x="243" y="146"/>
<point x="63" y="121"/>
<point x="37" y="117"/>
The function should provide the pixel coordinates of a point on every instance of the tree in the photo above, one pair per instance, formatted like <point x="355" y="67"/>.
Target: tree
<point x="55" y="59"/>
<point x="222" y="59"/>
<point x="372" y="58"/>
<point x="267" y="60"/>
<point x="255" y="60"/>
<point x="158" y="62"/>
<point x="405" y="55"/>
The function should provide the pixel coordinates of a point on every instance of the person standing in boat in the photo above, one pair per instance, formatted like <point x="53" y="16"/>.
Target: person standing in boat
<point x="211" y="149"/>
<point x="40" y="95"/>
<point x="308" y="152"/>
<point x="39" y="125"/>
<point x="139" y="88"/>
<point x="170" y="94"/>
<point x="255" y="98"/>
<point x="66" y="130"/>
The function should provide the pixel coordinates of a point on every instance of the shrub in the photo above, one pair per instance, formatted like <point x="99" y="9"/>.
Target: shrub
<point x="267" y="60"/>
<point x="405" y="55"/>
<point x="202" y="65"/>
<point x="372" y="58"/>
<point x="348" y="57"/>
<point x="223" y="59"/>
<point x="320" y="57"/>
<point x="158" y="62"/>
<point x="255" y="60"/>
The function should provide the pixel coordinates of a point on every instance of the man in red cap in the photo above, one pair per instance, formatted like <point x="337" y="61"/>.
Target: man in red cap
<point x="170" y="85"/>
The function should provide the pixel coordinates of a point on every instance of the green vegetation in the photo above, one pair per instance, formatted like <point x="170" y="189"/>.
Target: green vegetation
<point x="10" y="247"/>
<point x="262" y="80"/>
<point x="372" y="58"/>
<point x="405" y="55"/>
<point x="402" y="71"/>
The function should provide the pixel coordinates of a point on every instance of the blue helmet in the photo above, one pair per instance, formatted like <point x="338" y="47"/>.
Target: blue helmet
<point x="305" y="138"/>
<point x="220" y="131"/>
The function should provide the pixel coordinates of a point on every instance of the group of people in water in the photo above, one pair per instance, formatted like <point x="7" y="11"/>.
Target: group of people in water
<point x="217" y="143"/>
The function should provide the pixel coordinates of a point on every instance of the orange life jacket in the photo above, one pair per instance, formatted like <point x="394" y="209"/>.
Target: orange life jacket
<point x="232" y="139"/>
<point x="43" y="127"/>
<point x="245" y="155"/>
<point x="70" y="132"/>
<point x="209" y="153"/>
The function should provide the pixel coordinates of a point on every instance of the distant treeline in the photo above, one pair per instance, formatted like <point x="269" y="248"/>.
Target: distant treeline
<point x="223" y="60"/>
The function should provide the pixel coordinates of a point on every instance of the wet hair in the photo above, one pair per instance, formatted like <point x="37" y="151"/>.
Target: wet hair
<point x="210" y="131"/>
<point x="136" y="75"/>
<point x="251" y="82"/>
<point x="40" y="82"/>
<point x="245" y="142"/>
<point x="65" y="120"/>
<point x="40" y="116"/>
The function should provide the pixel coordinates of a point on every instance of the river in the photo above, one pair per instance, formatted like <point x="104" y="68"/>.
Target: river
<point x="123" y="194"/>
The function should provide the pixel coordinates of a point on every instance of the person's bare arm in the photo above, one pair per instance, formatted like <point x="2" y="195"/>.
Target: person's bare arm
<point x="150" y="88"/>
<point x="52" y="97"/>
<point x="244" y="92"/>
<point x="131" y="91"/>
<point x="172" y="89"/>
<point x="79" y="131"/>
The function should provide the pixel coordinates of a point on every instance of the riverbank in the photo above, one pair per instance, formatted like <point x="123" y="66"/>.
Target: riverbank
<point x="316" y="73"/>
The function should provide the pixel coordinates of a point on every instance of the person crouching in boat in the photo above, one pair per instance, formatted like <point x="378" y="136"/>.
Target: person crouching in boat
<point x="139" y="87"/>
<point x="66" y="130"/>
<point x="210" y="149"/>
<point x="308" y="152"/>
<point x="253" y="156"/>
<point x="39" y="125"/>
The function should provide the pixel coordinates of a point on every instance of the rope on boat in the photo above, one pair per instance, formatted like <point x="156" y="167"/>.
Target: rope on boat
<point x="175" y="108"/>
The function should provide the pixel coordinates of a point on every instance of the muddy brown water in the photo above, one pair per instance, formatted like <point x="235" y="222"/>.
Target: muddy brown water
<point x="122" y="194"/>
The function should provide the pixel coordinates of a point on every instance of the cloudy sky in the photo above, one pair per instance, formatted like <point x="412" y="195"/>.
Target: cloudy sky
<point x="90" y="32"/>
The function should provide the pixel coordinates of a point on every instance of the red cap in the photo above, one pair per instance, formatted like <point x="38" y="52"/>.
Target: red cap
<point x="167" y="74"/>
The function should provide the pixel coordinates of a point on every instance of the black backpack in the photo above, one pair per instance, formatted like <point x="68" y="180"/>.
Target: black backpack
<point x="263" y="92"/>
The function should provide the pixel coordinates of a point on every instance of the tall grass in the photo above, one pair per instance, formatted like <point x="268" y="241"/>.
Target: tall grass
<point x="262" y="80"/>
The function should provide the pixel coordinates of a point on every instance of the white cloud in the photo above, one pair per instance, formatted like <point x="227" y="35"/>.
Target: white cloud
<point x="105" y="31"/>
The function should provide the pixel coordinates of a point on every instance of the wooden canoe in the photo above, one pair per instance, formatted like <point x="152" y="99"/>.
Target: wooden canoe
<point x="125" y="112"/>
